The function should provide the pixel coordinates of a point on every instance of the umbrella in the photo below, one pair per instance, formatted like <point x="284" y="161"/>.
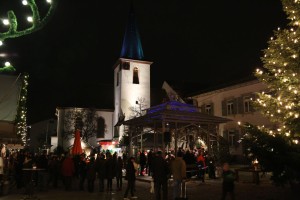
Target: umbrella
<point x="77" y="144"/>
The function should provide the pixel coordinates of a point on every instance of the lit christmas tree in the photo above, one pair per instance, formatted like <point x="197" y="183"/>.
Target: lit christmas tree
<point x="36" y="23"/>
<point x="282" y="76"/>
<point x="278" y="149"/>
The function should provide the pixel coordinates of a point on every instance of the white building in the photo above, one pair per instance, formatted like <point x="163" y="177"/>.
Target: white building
<point x="233" y="102"/>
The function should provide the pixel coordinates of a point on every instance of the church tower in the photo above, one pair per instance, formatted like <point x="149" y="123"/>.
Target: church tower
<point x="131" y="77"/>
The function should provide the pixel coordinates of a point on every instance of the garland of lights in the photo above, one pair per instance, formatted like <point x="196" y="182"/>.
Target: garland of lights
<point x="21" y="120"/>
<point x="35" y="19"/>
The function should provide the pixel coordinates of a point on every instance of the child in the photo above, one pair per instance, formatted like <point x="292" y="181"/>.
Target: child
<point x="228" y="182"/>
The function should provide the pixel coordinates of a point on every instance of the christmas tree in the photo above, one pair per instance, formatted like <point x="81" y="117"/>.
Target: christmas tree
<point x="277" y="149"/>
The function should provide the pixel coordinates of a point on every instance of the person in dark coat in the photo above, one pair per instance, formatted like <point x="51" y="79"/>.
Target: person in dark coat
<point x="53" y="170"/>
<point x="100" y="168"/>
<point x="82" y="171"/>
<point x="149" y="162"/>
<point x="109" y="170"/>
<point x="42" y="163"/>
<point x="228" y="182"/>
<point x="91" y="174"/>
<point x="130" y="177"/>
<point x="142" y="162"/>
<point x="160" y="175"/>
<point x="119" y="176"/>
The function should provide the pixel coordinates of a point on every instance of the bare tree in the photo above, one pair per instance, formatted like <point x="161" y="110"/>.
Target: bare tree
<point x="139" y="109"/>
<point x="84" y="120"/>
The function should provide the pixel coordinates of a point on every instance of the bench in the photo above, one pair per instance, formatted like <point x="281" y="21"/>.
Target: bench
<point x="255" y="174"/>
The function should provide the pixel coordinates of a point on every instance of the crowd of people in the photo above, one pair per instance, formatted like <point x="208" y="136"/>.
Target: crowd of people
<point x="61" y="170"/>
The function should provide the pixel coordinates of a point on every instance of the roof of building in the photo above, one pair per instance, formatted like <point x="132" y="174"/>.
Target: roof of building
<point x="132" y="46"/>
<point x="174" y="111"/>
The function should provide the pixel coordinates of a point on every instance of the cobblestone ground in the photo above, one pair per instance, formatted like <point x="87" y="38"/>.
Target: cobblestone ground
<point x="210" y="190"/>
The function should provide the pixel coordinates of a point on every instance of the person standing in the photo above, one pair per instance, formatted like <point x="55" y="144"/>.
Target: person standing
<point x="100" y="168"/>
<point x="149" y="162"/>
<point x="91" y="174"/>
<point x="142" y="162"/>
<point x="178" y="170"/>
<point x="228" y="182"/>
<point x="201" y="165"/>
<point x="160" y="175"/>
<point x="119" y="175"/>
<point x="109" y="170"/>
<point x="82" y="171"/>
<point x="130" y="177"/>
<point x="67" y="171"/>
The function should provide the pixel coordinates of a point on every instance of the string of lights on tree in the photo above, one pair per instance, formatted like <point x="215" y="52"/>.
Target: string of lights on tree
<point x="37" y="22"/>
<point x="21" y="119"/>
<point x="281" y="64"/>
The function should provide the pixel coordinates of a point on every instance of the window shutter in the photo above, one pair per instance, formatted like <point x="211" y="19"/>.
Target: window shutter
<point x="253" y="96"/>
<point x="224" y="108"/>
<point x="235" y="106"/>
<point x="236" y="138"/>
<point x="212" y="109"/>
<point x="240" y="104"/>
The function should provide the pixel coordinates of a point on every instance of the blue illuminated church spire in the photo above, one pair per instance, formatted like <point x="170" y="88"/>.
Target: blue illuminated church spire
<point x="132" y="46"/>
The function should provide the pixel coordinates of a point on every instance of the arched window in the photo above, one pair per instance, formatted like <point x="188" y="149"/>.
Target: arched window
<point x="100" y="127"/>
<point x="136" y="76"/>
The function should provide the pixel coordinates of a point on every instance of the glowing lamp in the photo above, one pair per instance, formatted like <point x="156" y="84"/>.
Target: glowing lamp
<point x="30" y="19"/>
<point x="5" y="22"/>
<point x="7" y="64"/>
<point x="24" y="2"/>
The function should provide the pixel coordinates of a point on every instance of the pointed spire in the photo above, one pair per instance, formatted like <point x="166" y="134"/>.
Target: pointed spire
<point x="132" y="46"/>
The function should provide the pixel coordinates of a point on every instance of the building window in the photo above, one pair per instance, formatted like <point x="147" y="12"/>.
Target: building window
<point x="208" y="109"/>
<point x="247" y="104"/>
<point x="229" y="107"/>
<point x="136" y="76"/>
<point x="100" y="127"/>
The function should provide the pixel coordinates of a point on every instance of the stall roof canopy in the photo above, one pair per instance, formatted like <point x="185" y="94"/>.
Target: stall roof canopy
<point x="174" y="111"/>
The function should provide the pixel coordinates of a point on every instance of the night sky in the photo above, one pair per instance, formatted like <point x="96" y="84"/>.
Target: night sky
<point x="206" y="42"/>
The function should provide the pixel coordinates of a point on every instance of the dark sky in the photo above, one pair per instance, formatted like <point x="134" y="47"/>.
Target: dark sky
<point x="207" y="42"/>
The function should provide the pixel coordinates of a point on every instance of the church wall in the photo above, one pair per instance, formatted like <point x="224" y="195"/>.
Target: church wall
<point x="107" y="115"/>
